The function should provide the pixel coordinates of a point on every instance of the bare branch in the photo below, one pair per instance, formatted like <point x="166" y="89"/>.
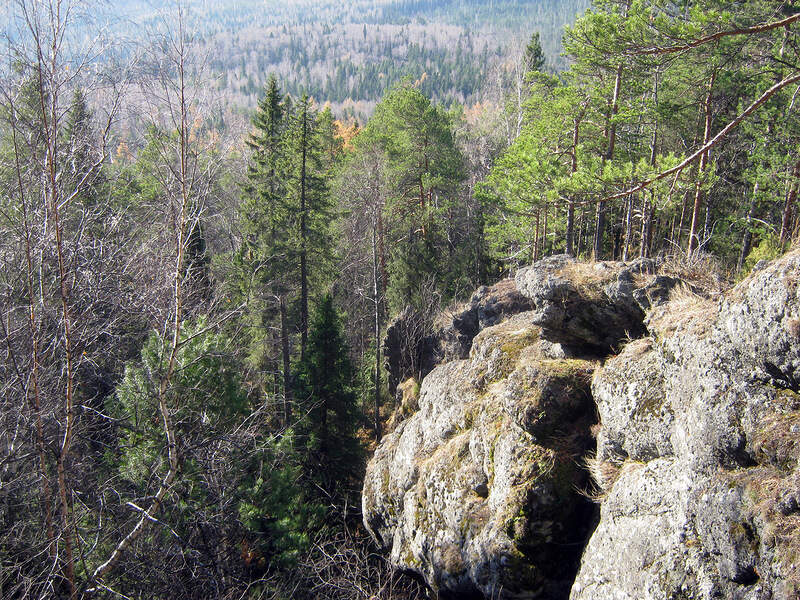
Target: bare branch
<point x="764" y="27"/>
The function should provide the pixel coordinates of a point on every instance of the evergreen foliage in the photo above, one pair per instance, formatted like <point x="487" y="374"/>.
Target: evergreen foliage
<point x="327" y="398"/>
<point x="424" y="170"/>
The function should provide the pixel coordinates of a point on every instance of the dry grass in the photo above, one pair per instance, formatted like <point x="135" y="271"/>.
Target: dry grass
<point x="766" y="487"/>
<point x="604" y="474"/>
<point x="777" y="448"/>
<point x="444" y="318"/>
<point x="702" y="271"/>
<point x="686" y="312"/>
<point x="778" y="442"/>
<point x="452" y="560"/>
<point x="635" y="349"/>
<point x="589" y="278"/>
<point x="589" y="272"/>
<point x="643" y="279"/>
<point x="409" y="403"/>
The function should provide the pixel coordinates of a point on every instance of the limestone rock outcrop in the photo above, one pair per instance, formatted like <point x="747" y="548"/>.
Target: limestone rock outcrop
<point x="700" y="429"/>
<point x="479" y="490"/>
<point x="476" y="491"/>
<point x="588" y="306"/>
<point x="676" y="409"/>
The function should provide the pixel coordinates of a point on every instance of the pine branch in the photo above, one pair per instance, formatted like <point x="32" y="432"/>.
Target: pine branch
<point x="764" y="27"/>
<point x="713" y="142"/>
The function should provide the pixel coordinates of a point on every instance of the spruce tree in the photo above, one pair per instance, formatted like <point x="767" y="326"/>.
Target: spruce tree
<point x="325" y="390"/>
<point x="263" y="262"/>
<point x="534" y="55"/>
<point x="309" y="205"/>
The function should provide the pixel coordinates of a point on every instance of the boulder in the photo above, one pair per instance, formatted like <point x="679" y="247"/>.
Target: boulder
<point x="697" y="420"/>
<point x="477" y="491"/>
<point x="590" y="306"/>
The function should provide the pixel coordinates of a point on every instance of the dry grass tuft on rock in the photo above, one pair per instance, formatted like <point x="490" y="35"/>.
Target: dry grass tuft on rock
<point x="409" y="403"/>
<point x="774" y="500"/>
<point x="589" y="278"/>
<point x="604" y="474"/>
<point x="778" y="441"/>
<point x="686" y="312"/>
<point x="702" y="271"/>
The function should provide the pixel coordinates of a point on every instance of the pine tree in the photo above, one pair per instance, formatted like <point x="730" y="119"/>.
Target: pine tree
<point x="425" y="169"/>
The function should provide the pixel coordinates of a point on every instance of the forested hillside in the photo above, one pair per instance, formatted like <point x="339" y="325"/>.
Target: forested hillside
<point x="350" y="53"/>
<point x="193" y="318"/>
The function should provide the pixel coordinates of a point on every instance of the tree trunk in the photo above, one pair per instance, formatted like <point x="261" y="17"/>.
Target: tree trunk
<point x="376" y="298"/>
<point x="570" y="233"/>
<point x="49" y="109"/>
<point x="644" y="247"/>
<point x="676" y="235"/>
<point x="544" y="233"/>
<point x="626" y="245"/>
<point x="611" y="128"/>
<point x="694" y="242"/>
<point x="747" y="239"/>
<point x="303" y="236"/>
<point x="34" y="371"/>
<point x="287" y="374"/>
<point x="648" y="206"/>
<point x="599" y="228"/>
<point x="788" y="208"/>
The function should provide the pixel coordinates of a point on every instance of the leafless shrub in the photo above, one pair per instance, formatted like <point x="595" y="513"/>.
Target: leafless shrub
<point x="346" y="567"/>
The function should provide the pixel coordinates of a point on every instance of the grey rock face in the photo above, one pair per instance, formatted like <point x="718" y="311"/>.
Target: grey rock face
<point x="476" y="491"/>
<point x="588" y="306"/>
<point x="632" y="402"/>
<point x="697" y="461"/>
<point x="699" y="419"/>
<point x="488" y="306"/>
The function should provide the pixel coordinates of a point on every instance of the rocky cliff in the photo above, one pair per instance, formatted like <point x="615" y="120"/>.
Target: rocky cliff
<point x="619" y="434"/>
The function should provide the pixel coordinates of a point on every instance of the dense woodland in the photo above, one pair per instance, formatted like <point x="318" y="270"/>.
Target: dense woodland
<point x="191" y="362"/>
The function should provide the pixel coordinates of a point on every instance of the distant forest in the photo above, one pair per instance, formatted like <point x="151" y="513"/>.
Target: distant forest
<point x="350" y="54"/>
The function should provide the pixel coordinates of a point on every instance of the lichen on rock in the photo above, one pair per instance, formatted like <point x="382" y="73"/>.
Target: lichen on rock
<point x="706" y="405"/>
<point x="693" y="399"/>
<point x="478" y="486"/>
